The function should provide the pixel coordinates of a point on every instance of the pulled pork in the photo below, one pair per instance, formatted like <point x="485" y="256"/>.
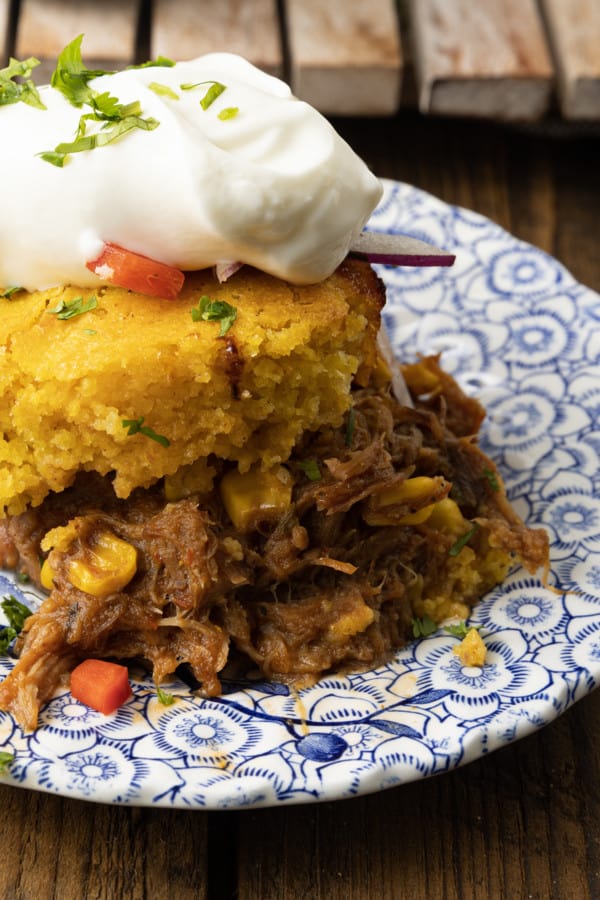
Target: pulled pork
<point x="332" y="582"/>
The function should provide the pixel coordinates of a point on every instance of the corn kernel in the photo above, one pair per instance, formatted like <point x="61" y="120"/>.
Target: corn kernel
<point x="47" y="575"/>
<point x="255" y="496"/>
<point x="410" y="492"/>
<point x="447" y="517"/>
<point x="106" y="568"/>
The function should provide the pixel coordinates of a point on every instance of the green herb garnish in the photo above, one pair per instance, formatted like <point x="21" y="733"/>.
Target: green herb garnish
<point x="15" y="613"/>
<point x="460" y="629"/>
<point x="229" y="112"/>
<point x="6" y="760"/>
<point x="214" y="91"/>
<point x="423" y="627"/>
<point x="350" y="425"/>
<point x="10" y="291"/>
<point x="23" y="91"/>
<point x="492" y="479"/>
<point x="136" y="426"/>
<point x="163" y="90"/>
<point x="310" y="467"/>
<point x="215" y="311"/>
<point x="160" y="61"/>
<point x="71" y="308"/>
<point x="462" y="541"/>
<point x="114" y="118"/>
<point x="164" y="697"/>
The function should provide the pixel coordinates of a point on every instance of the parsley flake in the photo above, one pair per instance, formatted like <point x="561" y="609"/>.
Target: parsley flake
<point x="136" y="426"/>
<point x="215" y="311"/>
<point x="71" y="308"/>
<point x="6" y="760"/>
<point x="15" y="613"/>
<point x="24" y="91"/>
<point x="423" y="627"/>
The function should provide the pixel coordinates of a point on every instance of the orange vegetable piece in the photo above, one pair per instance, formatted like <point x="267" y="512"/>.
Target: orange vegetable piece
<point x="102" y="685"/>
<point x="135" y="272"/>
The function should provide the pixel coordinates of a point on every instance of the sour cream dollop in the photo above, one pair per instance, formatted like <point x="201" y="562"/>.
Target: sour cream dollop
<point x="271" y="185"/>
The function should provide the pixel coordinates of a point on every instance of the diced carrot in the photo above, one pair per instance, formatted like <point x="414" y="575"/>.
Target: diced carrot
<point x="135" y="272"/>
<point x="102" y="685"/>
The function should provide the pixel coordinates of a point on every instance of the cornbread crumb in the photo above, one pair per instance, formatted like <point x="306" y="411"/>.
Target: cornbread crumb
<point x="471" y="650"/>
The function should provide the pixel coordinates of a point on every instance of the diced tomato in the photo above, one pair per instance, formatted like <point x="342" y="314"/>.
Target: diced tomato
<point x="102" y="685"/>
<point x="135" y="272"/>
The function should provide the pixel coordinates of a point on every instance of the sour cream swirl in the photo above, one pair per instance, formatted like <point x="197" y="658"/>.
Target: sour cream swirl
<point x="271" y="185"/>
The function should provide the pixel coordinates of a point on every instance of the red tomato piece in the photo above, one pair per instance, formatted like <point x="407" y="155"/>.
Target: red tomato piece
<point x="102" y="685"/>
<point x="135" y="272"/>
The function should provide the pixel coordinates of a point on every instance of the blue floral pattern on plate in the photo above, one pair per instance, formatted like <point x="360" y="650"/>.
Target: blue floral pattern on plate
<point x="515" y="329"/>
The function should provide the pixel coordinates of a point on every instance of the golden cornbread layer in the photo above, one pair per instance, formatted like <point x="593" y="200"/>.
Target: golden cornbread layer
<point x="68" y="384"/>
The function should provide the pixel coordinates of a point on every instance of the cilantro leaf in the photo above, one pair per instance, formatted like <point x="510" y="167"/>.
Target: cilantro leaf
<point x="164" y="697"/>
<point x="492" y="479"/>
<point x="460" y="629"/>
<point x="423" y="627"/>
<point x="136" y="426"/>
<point x="72" y="308"/>
<point x="215" y="311"/>
<point x="25" y="91"/>
<point x="163" y="90"/>
<point x="10" y="291"/>
<point x="71" y="77"/>
<point x="16" y="613"/>
<point x="229" y="112"/>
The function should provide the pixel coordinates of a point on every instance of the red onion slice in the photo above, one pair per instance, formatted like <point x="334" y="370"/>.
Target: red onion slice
<point x="399" y="250"/>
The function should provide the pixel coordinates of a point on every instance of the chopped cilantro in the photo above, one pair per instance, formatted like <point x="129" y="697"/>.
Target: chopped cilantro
<point x="6" y="760"/>
<point x="162" y="61"/>
<point x="72" y="308"/>
<point x="164" y="697"/>
<point x="350" y="425"/>
<point x="163" y="90"/>
<point x="15" y="613"/>
<point x="24" y="91"/>
<point x="460" y="629"/>
<point x="115" y="119"/>
<point x="310" y="467"/>
<point x="214" y="91"/>
<point x="423" y="627"/>
<point x="10" y="291"/>
<point x="462" y="541"/>
<point x="136" y="426"/>
<point x="229" y="112"/>
<point x="492" y="479"/>
<point x="215" y="311"/>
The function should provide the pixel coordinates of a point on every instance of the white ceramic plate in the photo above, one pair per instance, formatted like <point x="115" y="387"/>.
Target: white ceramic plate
<point x="516" y="329"/>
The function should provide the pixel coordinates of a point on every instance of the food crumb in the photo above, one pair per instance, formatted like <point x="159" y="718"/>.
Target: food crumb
<point x="471" y="650"/>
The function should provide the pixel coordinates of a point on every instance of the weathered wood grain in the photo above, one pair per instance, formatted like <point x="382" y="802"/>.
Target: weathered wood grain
<point x="345" y="58"/>
<point x="191" y="28"/>
<point x="574" y="33"/>
<point x="4" y="24"/>
<point x="109" y="28"/>
<point x="488" y="58"/>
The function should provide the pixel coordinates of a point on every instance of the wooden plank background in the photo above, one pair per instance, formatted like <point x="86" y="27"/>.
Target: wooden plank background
<point x="514" y="60"/>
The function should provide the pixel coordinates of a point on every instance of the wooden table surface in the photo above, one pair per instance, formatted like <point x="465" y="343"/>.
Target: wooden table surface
<point x="523" y="822"/>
